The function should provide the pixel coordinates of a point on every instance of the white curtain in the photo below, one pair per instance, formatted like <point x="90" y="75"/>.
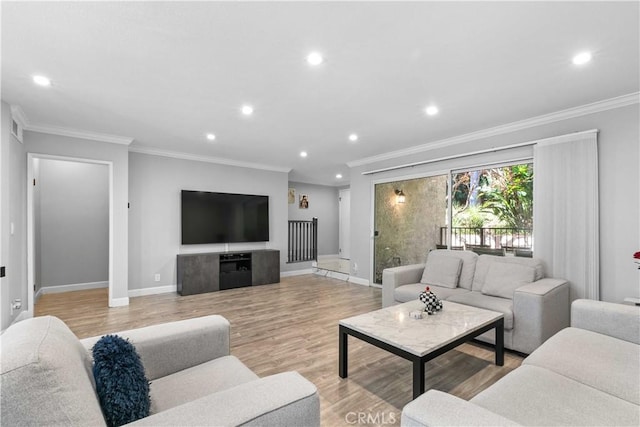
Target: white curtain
<point x="565" y="217"/>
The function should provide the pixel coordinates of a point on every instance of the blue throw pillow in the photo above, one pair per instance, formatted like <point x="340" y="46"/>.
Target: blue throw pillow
<point x="121" y="384"/>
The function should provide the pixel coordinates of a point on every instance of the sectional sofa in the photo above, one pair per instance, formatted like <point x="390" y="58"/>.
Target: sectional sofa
<point x="585" y="375"/>
<point x="46" y="378"/>
<point x="535" y="307"/>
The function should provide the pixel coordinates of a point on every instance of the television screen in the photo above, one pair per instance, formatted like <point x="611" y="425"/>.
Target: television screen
<point x="224" y="218"/>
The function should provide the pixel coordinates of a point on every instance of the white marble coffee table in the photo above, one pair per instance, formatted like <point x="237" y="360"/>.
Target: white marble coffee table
<point x="420" y="340"/>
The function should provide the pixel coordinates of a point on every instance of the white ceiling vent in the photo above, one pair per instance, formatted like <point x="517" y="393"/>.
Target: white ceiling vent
<point x="18" y="122"/>
<point x="16" y="129"/>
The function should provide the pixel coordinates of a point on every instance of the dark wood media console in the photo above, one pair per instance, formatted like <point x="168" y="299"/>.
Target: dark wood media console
<point x="217" y="271"/>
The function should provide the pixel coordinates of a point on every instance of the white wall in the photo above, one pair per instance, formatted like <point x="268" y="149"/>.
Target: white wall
<point x="5" y="135"/>
<point x="619" y="178"/>
<point x="323" y="204"/>
<point x="118" y="155"/>
<point x="154" y="217"/>
<point x="13" y="254"/>
<point x="71" y="223"/>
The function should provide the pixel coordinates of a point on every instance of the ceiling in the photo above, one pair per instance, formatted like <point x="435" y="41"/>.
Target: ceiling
<point x="168" y="73"/>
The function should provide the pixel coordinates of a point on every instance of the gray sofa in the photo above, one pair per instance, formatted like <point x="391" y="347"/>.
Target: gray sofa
<point x="47" y="378"/>
<point x="585" y="375"/>
<point x="535" y="307"/>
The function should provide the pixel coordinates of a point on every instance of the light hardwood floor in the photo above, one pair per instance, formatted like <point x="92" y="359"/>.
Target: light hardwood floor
<point x="293" y="325"/>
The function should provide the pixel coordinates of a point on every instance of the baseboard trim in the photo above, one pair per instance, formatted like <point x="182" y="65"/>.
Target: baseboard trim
<point x="153" y="291"/>
<point x="70" y="288"/>
<point x="342" y="276"/>
<point x="119" y="302"/>
<point x="359" y="281"/>
<point x="296" y="272"/>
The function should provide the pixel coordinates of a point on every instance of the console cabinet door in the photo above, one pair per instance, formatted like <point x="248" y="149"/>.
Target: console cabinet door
<point x="198" y="274"/>
<point x="265" y="267"/>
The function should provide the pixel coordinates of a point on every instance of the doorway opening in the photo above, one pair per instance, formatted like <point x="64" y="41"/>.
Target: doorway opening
<point x="341" y="262"/>
<point x="69" y="225"/>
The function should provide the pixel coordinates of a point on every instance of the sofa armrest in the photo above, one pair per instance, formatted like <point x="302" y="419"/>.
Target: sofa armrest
<point x="398" y="276"/>
<point x="286" y="399"/>
<point x="540" y="309"/>
<point x="171" y="347"/>
<point x="542" y="286"/>
<point x="616" y="320"/>
<point x="435" y="408"/>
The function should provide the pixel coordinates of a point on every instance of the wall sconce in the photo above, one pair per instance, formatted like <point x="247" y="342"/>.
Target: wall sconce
<point x="400" y="198"/>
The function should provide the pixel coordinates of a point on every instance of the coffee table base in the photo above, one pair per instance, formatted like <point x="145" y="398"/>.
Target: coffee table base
<point x="417" y="361"/>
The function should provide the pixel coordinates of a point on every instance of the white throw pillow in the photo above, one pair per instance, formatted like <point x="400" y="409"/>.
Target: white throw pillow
<point x="504" y="278"/>
<point x="442" y="271"/>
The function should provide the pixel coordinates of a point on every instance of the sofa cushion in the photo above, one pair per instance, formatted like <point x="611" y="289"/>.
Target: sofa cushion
<point x="122" y="387"/>
<point x="285" y="399"/>
<point x="441" y="271"/>
<point x="597" y="360"/>
<point x="531" y="395"/>
<point x="46" y="376"/>
<point x="196" y="382"/>
<point x="503" y="278"/>
<point x="615" y="320"/>
<point x="468" y="264"/>
<point x="411" y="292"/>
<point x="476" y="299"/>
<point x="485" y="261"/>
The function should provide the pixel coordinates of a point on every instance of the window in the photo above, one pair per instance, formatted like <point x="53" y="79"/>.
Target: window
<point x="492" y="209"/>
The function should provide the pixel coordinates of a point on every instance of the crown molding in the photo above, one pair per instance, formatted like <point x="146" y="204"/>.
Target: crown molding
<point x="206" y="159"/>
<point x="552" y="140"/>
<point x="75" y="133"/>
<point x="20" y="116"/>
<point x="570" y="113"/>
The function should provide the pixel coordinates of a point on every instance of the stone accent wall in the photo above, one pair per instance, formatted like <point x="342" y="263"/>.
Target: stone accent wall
<point x="408" y="231"/>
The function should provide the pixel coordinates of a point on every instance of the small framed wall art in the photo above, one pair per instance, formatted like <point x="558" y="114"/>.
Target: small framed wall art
<point x="304" y="201"/>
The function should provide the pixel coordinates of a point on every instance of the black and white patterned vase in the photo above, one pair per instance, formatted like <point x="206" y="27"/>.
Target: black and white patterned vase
<point x="431" y="302"/>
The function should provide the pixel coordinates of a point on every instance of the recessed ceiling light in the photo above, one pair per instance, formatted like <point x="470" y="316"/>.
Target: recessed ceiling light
<point x="211" y="137"/>
<point x="42" y="80"/>
<point x="339" y="176"/>
<point x="247" y="110"/>
<point x="432" y="110"/>
<point x="315" y="58"/>
<point x="303" y="154"/>
<point x="353" y="137"/>
<point x="582" y="58"/>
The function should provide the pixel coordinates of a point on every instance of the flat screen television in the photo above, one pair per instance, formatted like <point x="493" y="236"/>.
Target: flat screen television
<point x="224" y="218"/>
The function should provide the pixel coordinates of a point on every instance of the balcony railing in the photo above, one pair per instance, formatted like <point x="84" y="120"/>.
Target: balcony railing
<point x="489" y="237"/>
<point x="303" y="241"/>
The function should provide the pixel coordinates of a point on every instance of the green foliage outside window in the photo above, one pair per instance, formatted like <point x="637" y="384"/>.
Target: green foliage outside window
<point x="498" y="197"/>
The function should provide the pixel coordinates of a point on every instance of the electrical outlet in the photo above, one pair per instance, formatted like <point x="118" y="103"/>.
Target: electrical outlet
<point x="16" y="304"/>
<point x="355" y="267"/>
<point x="156" y="277"/>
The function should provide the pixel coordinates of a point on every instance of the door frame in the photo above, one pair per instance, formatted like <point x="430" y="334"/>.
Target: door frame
<point x="344" y="236"/>
<point x="30" y="218"/>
